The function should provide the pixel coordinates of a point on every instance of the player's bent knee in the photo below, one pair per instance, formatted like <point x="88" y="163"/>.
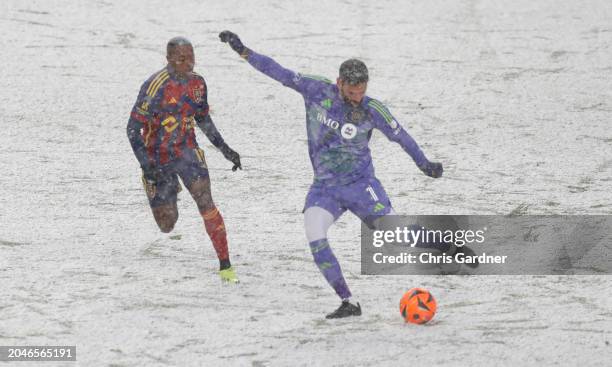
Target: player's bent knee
<point x="166" y="227"/>
<point x="166" y="218"/>
<point x="166" y="223"/>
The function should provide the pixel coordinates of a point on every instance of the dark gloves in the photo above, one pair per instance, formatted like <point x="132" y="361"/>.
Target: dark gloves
<point x="432" y="169"/>
<point x="233" y="40"/>
<point x="231" y="156"/>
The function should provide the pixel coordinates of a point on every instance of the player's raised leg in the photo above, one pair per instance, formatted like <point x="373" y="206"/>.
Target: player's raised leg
<point x="368" y="200"/>
<point x="161" y="192"/>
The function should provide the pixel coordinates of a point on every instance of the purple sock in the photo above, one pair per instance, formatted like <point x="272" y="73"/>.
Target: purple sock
<point x="328" y="264"/>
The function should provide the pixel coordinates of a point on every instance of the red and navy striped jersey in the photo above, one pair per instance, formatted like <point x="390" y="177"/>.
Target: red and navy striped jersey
<point x="166" y="111"/>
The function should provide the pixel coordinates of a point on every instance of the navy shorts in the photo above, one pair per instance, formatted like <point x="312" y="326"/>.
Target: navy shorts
<point x="189" y="167"/>
<point x="366" y="198"/>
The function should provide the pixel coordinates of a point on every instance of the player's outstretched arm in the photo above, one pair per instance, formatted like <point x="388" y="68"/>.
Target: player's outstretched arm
<point x="209" y="129"/>
<point x="389" y="126"/>
<point x="263" y="63"/>
<point x="410" y="146"/>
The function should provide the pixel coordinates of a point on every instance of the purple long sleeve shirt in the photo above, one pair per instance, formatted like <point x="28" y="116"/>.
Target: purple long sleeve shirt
<point x="338" y="133"/>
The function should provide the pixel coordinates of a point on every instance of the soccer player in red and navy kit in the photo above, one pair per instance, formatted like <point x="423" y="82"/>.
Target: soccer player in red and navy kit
<point x="340" y="119"/>
<point x="161" y="131"/>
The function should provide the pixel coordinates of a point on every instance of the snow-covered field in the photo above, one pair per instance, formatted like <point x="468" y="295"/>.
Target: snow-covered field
<point x="514" y="97"/>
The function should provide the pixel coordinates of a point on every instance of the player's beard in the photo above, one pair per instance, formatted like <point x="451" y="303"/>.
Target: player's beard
<point x="352" y="103"/>
<point x="346" y="99"/>
<point x="349" y="101"/>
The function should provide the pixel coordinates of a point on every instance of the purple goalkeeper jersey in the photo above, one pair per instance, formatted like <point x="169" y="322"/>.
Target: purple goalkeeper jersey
<point x="338" y="132"/>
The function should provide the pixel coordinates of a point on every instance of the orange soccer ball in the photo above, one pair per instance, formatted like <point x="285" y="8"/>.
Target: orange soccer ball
<point x="418" y="306"/>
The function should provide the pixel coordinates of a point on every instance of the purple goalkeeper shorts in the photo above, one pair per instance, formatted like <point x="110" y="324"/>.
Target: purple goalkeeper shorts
<point x="366" y="198"/>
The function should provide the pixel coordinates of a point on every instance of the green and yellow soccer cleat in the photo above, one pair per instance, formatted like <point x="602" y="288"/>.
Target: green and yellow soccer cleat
<point x="229" y="275"/>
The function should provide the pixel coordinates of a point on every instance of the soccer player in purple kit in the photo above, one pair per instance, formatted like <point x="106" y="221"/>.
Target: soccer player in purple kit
<point x="340" y="119"/>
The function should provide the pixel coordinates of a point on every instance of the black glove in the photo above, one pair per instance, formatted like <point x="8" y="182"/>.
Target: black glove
<point x="231" y="156"/>
<point x="233" y="40"/>
<point x="432" y="169"/>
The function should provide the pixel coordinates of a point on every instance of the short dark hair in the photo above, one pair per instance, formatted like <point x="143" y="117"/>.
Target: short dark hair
<point x="354" y="71"/>
<point x="177" y="41"/>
